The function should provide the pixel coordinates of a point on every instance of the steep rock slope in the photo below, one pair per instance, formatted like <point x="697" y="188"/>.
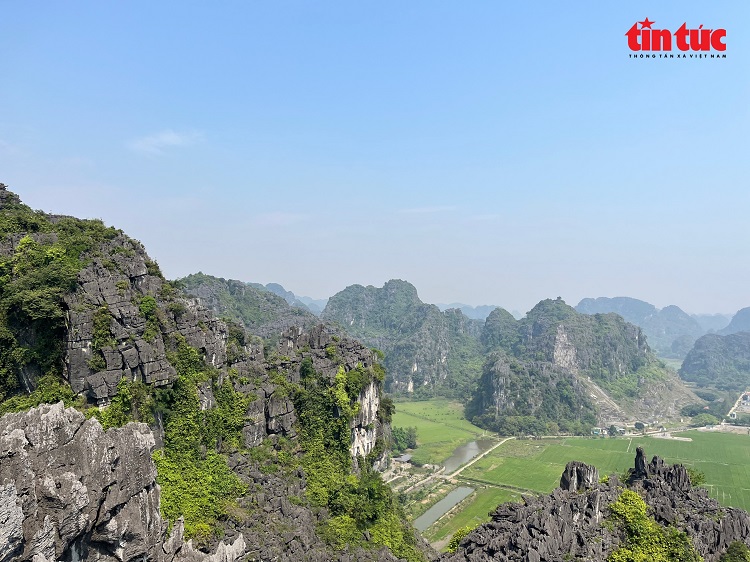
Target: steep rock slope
<point x="723" y="361"/>
<point x="586" y="520"/>
<point x="261" y="312"/>
<point x="670" y="331"/>
<point x="558" y="366"/>
<point x="425" y="349"/>
<point x="71" y="489"/>
<point x="88" y="318"/>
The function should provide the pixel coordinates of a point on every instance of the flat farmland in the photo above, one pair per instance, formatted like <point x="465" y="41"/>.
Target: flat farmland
<point x="536" y="465"/>
<point x="441" y="428"/>
<point x="473" y="511"/>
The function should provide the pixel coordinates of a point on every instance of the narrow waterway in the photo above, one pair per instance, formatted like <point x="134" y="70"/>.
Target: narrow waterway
<point x="465" y="453"/>
<point x="441" y="507"/>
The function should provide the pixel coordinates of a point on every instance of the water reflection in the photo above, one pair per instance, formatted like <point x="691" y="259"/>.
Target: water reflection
<point x="441" y="507"/>
<point x="465" y="453"/>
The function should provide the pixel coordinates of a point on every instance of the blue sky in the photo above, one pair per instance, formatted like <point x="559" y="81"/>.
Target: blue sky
<point x="487" y="152"/>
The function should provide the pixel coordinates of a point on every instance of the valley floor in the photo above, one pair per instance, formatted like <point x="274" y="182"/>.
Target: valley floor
<point x="534" y="466"/>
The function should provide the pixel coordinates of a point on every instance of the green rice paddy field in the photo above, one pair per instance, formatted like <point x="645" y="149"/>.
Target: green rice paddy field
<point x="537" y="465"/>
<point x="441" y="428"/>
<point x="523" y="466"/>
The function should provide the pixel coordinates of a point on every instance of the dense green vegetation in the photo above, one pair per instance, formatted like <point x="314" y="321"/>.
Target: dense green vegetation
<point x="34" y="281"/>
<point x="133" y="402"/>
<point x="355" y="503"/>
<point x="529" y="398"/>
<point x="719" y="361"/>
<point x="440" y="425"/>
<point x="195" y="480"/>
<point x="458" y="537"/>
<point x="50" y="389"/>
<point x="645" y="539"/>
<point x="404" y="438"/>
<point x="737" y="552"/>
<point x="444" y="346"/>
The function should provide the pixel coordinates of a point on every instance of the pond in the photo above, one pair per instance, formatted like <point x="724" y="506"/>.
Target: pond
<point x="465" y="453"/>
<point x="440" y="508"/>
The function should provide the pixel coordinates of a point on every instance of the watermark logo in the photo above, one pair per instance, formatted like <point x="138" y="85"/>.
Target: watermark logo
<point x="650" y="42"/>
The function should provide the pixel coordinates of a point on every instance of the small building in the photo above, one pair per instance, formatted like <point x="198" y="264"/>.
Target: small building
<point x="403" y="459"/>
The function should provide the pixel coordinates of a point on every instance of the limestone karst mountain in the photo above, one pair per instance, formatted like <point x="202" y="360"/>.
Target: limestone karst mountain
<point x="248" y="448"/>
<point x="426" y="350"/>
<point x="721" y="361"/>
<point x="670" y="331"/>
<point x="557" y="369"/>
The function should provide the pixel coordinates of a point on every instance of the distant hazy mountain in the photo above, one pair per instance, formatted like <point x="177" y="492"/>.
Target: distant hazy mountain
<point x="723" y="361"/>
<point x="740" y="323"/>
<point x="712" y="322"/>
<point x="315" y="306"/>
<point x="670" y="331"/>
<point x="480" y="312"/>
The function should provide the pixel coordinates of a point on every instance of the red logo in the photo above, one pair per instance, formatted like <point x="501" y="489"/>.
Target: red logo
<point x="647" y="38"/>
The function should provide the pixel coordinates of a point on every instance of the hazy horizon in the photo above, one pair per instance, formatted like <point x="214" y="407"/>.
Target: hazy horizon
<point x="486" y="153"/>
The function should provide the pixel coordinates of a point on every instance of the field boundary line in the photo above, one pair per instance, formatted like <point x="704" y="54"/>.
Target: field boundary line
<point x="478" y="457"/>
<point x="504" y="486"/>
<point x="469" y="431"/>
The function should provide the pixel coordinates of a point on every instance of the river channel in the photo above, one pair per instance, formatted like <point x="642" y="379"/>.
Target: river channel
<point x="443" y="506"/>
<point x="460" y="457"/>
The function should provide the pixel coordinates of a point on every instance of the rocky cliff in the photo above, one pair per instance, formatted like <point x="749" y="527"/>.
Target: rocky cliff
<point x="562" y="370"/>
<point x="582" y="519"/>
<point x="87" y="317"/>
<point x="426" y="350"/>
<point x="670" y="331"/>
<point x="70" y="490"/>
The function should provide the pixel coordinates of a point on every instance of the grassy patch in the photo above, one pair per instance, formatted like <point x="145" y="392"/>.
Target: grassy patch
<point x="472" y="512"/>
<point x="537" y="465"/>
<point x="441" y="427"/>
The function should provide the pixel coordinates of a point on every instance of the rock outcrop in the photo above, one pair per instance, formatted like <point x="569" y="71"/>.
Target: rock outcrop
<point x="71" y="491"/>
<point x="568" y="524"/>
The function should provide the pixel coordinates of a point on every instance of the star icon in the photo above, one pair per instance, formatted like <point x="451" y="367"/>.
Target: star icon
<point x="645" y="23"/>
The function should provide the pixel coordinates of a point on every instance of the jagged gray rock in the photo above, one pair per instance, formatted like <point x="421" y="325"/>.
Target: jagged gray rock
<point x="568" y="522"/>
<point x="70" y="490"/>
<point x="578" y="476"/>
